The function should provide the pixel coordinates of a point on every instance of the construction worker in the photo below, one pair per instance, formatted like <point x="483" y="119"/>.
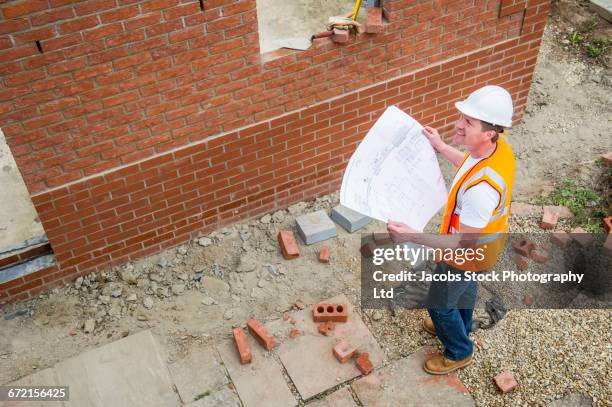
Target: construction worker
<point x="476" y="215"/>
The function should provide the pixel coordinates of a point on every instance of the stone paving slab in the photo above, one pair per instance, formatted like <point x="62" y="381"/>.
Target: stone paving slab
<point x="45" y="377"/>
<point x="128" y="372"/>
<point x="315" y="227"/>
<point x="309" y="359"/>
<point x="349" y="219"/>
<point x="199" y="372"/>
<point x="259" y="383"/>
<point x="224" y="397"/>
<point x="405" y="383"/>
<point x="339" y="398"/>
<point x="603" y="8"/>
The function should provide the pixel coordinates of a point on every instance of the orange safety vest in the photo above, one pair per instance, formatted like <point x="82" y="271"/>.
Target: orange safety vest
<point x="496" y="170"/>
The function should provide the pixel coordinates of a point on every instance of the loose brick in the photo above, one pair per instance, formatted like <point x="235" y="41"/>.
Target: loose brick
<point x="340" y="36"/>
<point x="539" y="255"/>
<point x="581" y="236"/>
<point x="288" y="245"/>
<point x="549" y="218"/>
<point x="521" y="262"/>
<point x="374" y="23"/>
<point x="324" y="312"/>
<point x="344" y="351"/>
<point x="367" y="250"/>
<point x="505" y="381"/>
<point x="607" y="158"/>
<point x="607" y="224"/>
<point x="324" y="255"/>
<point x="242" y="344"/>
<point x="294" y="333"/>
<point x="261" y="334"/>
<point x="363" y="363"/>
<point x="524" y="247"/>
<point x="382" y="238"/>
<point x="325" y="328"/>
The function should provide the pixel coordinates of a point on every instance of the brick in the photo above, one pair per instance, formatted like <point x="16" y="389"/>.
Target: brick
<point x="374" y="23"/>
<point x="349" y="219"/>
<point x="323" y="312"/>
<point x="581" y="236"/>
<point x="524" y="247"/>
<point x="344" y="351"/>
<point x="364" y="364"/>
<point x="561" y="239"/>
<point x="367" y="250"/>
<point x="78" y="24"/>
<point x="288" y="245"/>
<point x="23" y="7"/>
<point x="294" y="333"/>
<point x="505" y="381"/>
<point x="315" y="227"/>
<point x="539" y="255"/>
<point x="607" y="158"/>
<point x="242" y="344"/>
<point x="521" y="262"/>
<point x="324" y="255"/>
<point x="325" y="328"/>
<point x="341" y="36"/>
<point x="549" y="218"/>
<point x="607" y="224"/>
<point x="260" y="333"/>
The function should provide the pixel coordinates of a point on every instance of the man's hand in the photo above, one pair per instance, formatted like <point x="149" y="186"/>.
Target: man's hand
<point x="399" y="231"/>
<point x="434" y="137"/>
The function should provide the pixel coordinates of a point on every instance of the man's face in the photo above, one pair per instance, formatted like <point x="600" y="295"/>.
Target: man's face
<point x="468" y="132"/>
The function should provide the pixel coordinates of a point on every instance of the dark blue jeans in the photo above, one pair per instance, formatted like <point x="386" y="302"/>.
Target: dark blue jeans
<point x="451" y="307"/>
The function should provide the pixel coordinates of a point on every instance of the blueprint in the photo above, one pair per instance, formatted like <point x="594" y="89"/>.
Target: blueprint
<point x="394" y="173"/>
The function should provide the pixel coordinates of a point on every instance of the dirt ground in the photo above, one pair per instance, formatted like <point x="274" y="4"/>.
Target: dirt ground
<point x="195" y="293"/>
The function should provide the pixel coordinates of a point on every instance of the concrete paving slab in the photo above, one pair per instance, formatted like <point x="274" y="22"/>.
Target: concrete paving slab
<point x="259" y="383"/>
<point x="315" y="227"/>
<point x="339" y="398"/>
<point x="309" y="359"/>
<point x="128" y="372"/>
<point x="224" y="397"/>
<point x="603" y="8"/>
<point x="201" y="371"/>
<point x="349" y="219"/>
<point x="405" y="383"/>
<point x="45" y="377"/>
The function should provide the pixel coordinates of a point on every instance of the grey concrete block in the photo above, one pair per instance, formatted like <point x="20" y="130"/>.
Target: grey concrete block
<point x="349" y="219"/>
<point x="603" y="8"/>
<point x="315" y="227"/>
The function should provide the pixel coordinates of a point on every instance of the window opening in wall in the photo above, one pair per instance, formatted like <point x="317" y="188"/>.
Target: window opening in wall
<point x="291" y="23"/>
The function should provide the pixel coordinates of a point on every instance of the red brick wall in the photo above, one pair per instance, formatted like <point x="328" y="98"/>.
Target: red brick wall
<point x="144" y="124"/>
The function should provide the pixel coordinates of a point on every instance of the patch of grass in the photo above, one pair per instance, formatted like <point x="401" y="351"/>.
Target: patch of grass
<point x="202" y="395"/>
<point x="575" y="197"/>
<point x="597" y="47"/>
<point x="575" y="38"/>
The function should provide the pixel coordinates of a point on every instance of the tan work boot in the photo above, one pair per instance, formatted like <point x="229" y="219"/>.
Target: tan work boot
<point x="428" y="325"/>
<point x="439" y="364"/>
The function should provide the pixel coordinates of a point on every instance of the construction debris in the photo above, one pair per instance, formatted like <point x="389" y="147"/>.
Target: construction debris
<point x="505" y="381"/>
<point x="242" y="344"/>
<point x="344" y="351"/>
<point x="324" y="255"/>
<point x="260" y="333"/>
<point x="288" y="245"/>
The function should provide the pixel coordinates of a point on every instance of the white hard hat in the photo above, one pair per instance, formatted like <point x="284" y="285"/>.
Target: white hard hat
<point x="491" y="104"/>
